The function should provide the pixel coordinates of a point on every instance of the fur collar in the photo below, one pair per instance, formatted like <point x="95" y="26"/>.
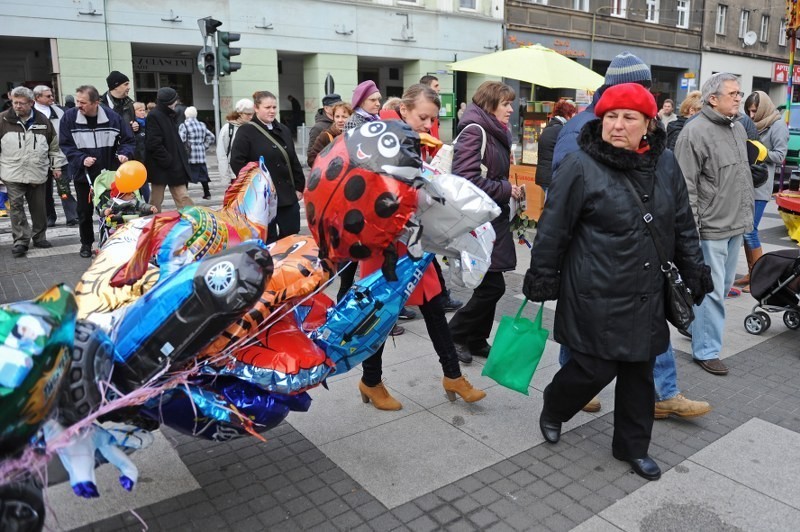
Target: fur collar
<point x="591" y="141"/>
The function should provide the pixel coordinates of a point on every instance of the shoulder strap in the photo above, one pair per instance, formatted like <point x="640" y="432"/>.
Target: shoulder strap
<point x="483" y="137"/>
<point x="230" y="140"/>
<point x="278" y="144"/>
<point x="648" y="218"/>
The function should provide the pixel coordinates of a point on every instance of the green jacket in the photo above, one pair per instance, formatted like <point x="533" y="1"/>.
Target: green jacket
<point x="712" y="154"/>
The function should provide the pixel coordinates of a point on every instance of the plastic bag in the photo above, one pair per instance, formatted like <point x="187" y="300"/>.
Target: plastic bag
<point x="517" y="350"/>
<point x="469" y="265"/>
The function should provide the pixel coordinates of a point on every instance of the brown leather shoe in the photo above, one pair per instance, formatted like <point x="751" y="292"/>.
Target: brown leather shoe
<point x="713" y="366"/>
<point x="681" y="406"/>
<point x="379" y="395"/>
<point x="593" y="405"/>
<point x="463" y="388"/>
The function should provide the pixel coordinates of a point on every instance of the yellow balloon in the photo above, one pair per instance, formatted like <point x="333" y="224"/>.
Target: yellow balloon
<point x="131" y="176"/>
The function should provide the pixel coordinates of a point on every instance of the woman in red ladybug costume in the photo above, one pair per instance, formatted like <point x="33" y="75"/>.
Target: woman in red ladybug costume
<point x="418" y="108"/>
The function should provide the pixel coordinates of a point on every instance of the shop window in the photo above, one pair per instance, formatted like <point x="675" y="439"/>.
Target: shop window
<point x="763" y="35"/>
<point x="683" y="13"/>
<point x="619" y="8"/>
<point x="722" y="19"/>
<point x="744" y="23"/>
<point x="652" y="11"/>
<point x="782" y="33"/>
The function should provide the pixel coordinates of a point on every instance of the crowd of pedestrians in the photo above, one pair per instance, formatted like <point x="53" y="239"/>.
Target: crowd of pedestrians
<point x="593" y="252"/>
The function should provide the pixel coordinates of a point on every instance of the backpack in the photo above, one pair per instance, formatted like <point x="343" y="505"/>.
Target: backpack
<point x="443" y="160"/>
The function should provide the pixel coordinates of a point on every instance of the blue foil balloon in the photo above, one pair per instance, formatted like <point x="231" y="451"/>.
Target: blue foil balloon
<point x="362" y="320"/>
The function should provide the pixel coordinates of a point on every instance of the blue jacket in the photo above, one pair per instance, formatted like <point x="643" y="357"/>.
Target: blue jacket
<point x="110" y="138"/>
<point x="568" y="137"/>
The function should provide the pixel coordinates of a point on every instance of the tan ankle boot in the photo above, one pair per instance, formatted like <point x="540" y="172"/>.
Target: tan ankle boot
<point x="593" y="405"/>
<point x="379" y="395"/>
<point x="462" y="387"/>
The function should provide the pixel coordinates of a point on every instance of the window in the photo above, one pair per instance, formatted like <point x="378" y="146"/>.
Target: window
<point x="542" y="2"/>
<point x="468" y="4"/>
<point x="683" y="13"/>
<point x="618" y="8"/>
<point x="722" y="19"/>
<point x="581" y="5"/>
<point x="652" y="11"/>
<point x="781" y="33"/>
<point x="764" y="33"/>
<point x="744" y="23"/>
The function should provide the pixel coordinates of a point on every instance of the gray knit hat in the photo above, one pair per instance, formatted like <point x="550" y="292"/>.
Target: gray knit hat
<point x="627" y="68"/>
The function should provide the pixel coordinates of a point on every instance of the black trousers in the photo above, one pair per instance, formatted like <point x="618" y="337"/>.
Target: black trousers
<point x="582" y="378"/>
<point x="85" y="210"/>
<point x="438" y="268"/>
<point x="436" y="324"/>
<point x="347" y="276"/>
<point x="286" y="222"/>
<point x="472" y="323"/>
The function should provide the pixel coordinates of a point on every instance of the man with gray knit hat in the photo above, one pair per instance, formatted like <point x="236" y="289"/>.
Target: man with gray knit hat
<point x="627" y="68"/>
<point x="324" y="117"/>
<point x="624" y="68"/>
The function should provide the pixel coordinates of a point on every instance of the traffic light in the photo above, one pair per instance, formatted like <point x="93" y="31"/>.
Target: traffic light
<point x="207" y="63"/>
<point x="208" y="26"/>
<point x="225" y="38"/>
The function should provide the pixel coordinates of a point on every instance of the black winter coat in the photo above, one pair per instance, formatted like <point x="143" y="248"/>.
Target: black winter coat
<point x="674" y="129"/>
<point x="594" y="253"/>
<point x="467" y="163"/>
<point x="165" y="157"/>
<point x="250" y="143"/>
<point x="547" y="144"/>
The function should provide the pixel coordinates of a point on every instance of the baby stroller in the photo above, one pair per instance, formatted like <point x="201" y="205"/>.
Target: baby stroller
<point x="101" y="195"/>
<point x="775" y="283"/>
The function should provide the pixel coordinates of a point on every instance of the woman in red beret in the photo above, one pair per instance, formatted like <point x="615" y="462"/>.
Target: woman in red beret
<point x="596" y="255"/>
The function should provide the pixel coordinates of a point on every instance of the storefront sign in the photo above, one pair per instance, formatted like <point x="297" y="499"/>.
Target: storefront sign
<point x="562" y="46"/>
<point x="780" y="73"/>
<point x="163" y="64"/>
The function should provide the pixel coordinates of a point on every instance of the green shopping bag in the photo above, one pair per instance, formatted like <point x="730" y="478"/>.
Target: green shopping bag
<point x="517" y="350"/>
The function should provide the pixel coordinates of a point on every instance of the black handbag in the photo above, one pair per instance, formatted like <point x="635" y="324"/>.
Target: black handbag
<point x="678" y="298"/>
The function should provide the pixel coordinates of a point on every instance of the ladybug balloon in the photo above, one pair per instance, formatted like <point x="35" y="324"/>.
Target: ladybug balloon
<point x="362" y="191"/>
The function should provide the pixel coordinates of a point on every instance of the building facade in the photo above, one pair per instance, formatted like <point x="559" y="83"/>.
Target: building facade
<point x="288" y="48"/>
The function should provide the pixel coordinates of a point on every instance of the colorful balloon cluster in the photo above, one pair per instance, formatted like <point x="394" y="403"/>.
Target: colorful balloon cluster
<point x="188" y="319"/>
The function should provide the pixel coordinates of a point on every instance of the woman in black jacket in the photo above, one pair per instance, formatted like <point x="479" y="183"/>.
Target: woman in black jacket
<point x="595" y="254"/>
<point x="165" y="157"/>
<point x="562" y="111"/>
<point x="264" y="137"/>
<point x="486" y="121"/>
<point x="689" y="107"/>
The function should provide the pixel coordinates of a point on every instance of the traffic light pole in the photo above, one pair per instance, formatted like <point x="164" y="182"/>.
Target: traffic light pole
<point x="215" y="83"/>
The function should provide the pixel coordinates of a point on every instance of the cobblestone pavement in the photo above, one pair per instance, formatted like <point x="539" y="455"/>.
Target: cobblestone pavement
<point x="436" y="465"/>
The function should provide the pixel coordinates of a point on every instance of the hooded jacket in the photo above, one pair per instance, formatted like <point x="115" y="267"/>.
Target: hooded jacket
<point x="497" y="158"/>
<point x="321" y="123"/>
<point x="594" y="253"/>
<point x="28" y="150"/>
<point x="712" y="153"/>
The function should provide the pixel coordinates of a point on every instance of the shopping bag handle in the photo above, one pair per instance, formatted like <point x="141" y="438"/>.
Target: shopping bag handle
<point x="537" y="321"/>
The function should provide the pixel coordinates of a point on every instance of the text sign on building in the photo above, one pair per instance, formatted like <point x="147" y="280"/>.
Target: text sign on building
<point x="163" y="64"/>
<point x="780" y="73"/>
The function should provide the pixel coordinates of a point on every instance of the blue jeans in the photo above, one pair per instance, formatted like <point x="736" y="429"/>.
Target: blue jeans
<point x="665" y="374"/>
<point x="709" y="317"/>
<point x="751" y="240"/>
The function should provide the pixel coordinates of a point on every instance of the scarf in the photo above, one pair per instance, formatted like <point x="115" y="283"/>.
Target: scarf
<point x="766" y="114"/>
<point x="366" y="115"/>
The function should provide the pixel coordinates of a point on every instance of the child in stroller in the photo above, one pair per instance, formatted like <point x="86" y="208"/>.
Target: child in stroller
<point x="116" y="204"/>
<point x="775" y="284"/>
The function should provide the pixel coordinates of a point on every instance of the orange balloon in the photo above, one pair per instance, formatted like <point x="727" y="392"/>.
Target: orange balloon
<point x="131" y="176"/>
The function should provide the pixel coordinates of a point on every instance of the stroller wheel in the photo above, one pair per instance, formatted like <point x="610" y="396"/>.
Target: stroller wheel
<point x="791" y="318"/>
<point x="765" y="319"/>
<point x="754" y="324"/>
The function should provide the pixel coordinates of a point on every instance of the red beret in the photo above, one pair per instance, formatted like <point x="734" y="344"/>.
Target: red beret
<point x="627" y="96"/>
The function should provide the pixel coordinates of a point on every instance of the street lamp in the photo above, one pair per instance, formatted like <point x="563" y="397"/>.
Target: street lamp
<point x="591" y="46"/>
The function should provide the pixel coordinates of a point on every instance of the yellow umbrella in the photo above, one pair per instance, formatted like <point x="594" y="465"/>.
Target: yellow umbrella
<point x="535" y="64"/>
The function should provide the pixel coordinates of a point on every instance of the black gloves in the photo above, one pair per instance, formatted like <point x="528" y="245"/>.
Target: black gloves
<point x="699" y="282"/>
<point x="540" y="288"/>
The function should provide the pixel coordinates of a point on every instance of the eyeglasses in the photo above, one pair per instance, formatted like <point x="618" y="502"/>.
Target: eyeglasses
<point x="734" y="94"/>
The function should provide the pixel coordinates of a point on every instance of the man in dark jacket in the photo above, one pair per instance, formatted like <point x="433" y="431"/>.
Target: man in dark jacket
<point x="119" y="85"/>
<point x="324" y="117"/>
<point x="166" y="159"/>
<point x="627" y="68"/>
<point x="93" y="138"/>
